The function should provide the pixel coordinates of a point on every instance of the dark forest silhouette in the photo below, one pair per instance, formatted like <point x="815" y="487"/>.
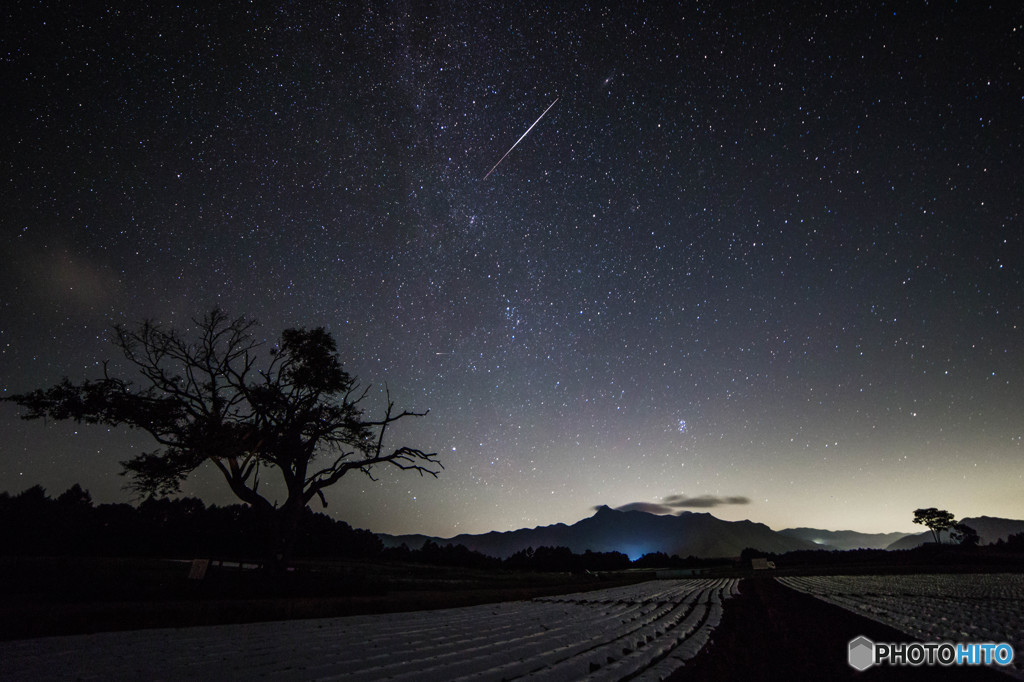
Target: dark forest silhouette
<point x="34" y="524"/>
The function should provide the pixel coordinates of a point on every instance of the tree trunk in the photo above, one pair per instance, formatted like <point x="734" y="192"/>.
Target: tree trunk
<point x="283" y="525"/>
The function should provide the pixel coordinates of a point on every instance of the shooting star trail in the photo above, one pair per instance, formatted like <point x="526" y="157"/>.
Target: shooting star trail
<point x="521" y="138"/>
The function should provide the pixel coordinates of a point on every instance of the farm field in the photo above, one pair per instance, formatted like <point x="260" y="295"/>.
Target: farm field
<point x="932" y="607"/>
<point x="643" y="631"/>
<point x="38" y="600"/>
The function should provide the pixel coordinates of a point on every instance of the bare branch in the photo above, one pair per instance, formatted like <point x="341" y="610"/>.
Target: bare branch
<point x="204" y="399"/>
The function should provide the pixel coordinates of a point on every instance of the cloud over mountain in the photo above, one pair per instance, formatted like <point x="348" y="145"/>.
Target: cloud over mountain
<point x="683" y="502"/>
<point x="672" y="503"/>
<point x="649" y="507"/>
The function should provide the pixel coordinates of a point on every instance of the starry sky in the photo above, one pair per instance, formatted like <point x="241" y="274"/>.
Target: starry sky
<point x="762" y="261"/>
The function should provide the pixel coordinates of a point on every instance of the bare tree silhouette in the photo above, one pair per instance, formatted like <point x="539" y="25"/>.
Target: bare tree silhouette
<point x="204" y="401"/>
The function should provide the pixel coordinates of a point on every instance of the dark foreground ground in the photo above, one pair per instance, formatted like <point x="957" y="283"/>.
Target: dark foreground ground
<point x="772" y="632"/>
<point x="46" y="596"/>
<point x="768" y="632"/>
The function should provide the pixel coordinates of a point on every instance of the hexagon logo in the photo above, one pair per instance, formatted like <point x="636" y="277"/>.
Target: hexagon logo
<point x="862" y="653"/>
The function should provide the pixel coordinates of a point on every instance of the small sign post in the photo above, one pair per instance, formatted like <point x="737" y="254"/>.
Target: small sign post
<point x="198" y="571"/>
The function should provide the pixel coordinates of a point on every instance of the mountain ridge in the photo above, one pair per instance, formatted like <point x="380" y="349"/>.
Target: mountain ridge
<point x="701" y="534"/>
<point x="844" y="539"/>
<point x="632" y="532"/>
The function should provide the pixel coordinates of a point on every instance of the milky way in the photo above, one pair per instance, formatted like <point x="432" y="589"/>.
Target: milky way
<point x="770" y="255"/>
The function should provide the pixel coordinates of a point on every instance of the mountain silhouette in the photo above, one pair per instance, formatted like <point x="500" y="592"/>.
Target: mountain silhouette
<point x="633" y="533"/>
<point x="843" y="539"/>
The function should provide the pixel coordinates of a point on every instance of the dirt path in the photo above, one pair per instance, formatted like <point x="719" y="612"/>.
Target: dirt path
<point x="772" y="632"/>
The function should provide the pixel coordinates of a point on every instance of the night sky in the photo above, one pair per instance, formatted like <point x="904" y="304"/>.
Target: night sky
<point x="762" y="262"/>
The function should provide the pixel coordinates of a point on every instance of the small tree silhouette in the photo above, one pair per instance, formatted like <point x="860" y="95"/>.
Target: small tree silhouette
<point x="964" y="535"/>
<point x="936" y="520"/>
<point x="204" y="401"/>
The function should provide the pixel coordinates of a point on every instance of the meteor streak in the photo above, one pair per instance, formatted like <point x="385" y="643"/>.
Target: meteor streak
<point x="520" y="139"/>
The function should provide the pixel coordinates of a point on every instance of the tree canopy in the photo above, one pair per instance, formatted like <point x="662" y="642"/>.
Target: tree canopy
<point x="936" y="520"/>
<point x="204" y="400"/>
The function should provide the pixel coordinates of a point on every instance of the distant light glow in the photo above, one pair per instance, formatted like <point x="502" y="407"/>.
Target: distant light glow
<point x="634" y="552"/>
